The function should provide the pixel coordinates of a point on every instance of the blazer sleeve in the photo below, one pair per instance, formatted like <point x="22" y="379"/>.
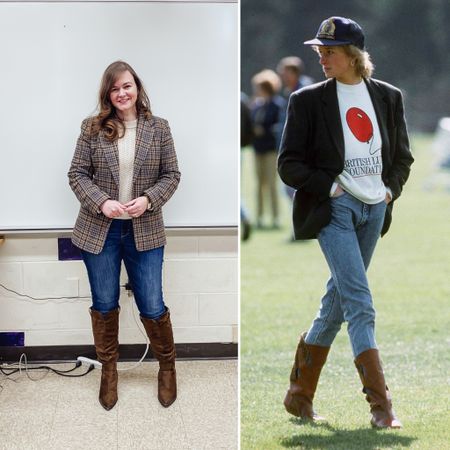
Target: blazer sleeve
<point x="81" y="173"/>
<point x="294" y="167"/>
<point x="402" y="158"/>
<point x="169" y="175"/>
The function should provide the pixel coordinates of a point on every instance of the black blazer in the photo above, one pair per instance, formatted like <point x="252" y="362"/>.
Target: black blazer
<point x="312" y="150"/>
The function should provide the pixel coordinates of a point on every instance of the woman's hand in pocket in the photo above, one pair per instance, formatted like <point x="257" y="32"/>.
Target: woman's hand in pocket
<point x="388" y="198"/>
<point x="338" y="192"/>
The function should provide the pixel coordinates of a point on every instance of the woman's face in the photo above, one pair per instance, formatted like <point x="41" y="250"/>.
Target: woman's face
<point x="337" y="64"/>
<point x="123" y="94"/>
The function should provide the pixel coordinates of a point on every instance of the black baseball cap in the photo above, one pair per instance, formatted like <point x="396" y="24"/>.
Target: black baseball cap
<point x="338" y="31"/>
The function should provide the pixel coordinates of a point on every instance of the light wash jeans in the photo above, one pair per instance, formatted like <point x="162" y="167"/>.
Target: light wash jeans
<point x="348" y="243"/>
<point x="144" y="271"/>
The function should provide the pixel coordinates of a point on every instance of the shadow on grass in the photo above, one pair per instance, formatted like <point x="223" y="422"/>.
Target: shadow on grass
<point x="361" y="438"/>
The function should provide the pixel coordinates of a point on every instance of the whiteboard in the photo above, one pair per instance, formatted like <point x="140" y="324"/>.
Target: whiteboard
<point x="53" y="57"/>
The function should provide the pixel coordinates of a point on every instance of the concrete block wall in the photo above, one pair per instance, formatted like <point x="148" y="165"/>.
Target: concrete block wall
<point x="200" y="287"/>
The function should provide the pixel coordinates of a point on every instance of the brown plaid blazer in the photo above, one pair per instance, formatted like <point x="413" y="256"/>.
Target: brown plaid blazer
<point x="94" y="178"/>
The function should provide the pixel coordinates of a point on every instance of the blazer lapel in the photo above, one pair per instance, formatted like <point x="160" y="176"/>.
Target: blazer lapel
<point x="110" y="151"/>
<point x="381" y="110"/>
<point x="332" y="115"/>
<point x="144" y="137"/>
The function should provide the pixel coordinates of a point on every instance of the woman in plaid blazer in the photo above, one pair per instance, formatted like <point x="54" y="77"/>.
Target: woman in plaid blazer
<point x="123" y="171"/>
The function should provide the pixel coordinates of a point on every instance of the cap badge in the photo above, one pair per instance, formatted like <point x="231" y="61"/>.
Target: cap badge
<point x="327" y="30"/>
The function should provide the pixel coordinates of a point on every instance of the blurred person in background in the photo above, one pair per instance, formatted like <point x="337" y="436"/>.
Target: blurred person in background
<point x="345" y="149"/>
<point x="246" y="140"/>
<point x="291" y="69"/>
<point x="267" y="113"/>
<point x="292" y="72"/>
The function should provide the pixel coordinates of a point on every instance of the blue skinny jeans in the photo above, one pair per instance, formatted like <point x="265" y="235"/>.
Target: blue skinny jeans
<point x="144" y="271"/>
<point x="348" y="243"/>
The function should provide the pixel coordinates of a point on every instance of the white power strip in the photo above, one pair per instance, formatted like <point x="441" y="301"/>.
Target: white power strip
<point x="88" y="361"/>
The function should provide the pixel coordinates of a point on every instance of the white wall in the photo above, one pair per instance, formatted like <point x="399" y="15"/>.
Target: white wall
<point x="200" y="286"/>
<point x="187" y="57"/>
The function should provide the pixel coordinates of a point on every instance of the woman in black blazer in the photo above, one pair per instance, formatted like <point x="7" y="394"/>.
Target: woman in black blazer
<point x="345" y="149"/>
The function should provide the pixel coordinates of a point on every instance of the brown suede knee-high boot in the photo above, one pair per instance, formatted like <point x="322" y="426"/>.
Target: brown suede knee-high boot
<point x="309" y="360"/>
<point x="105" y="328"/>
<point x="377" y="393"/>
<point x="161" y="340"/>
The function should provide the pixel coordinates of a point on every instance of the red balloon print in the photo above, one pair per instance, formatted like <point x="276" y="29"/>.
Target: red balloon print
<point x="360" y="124"/>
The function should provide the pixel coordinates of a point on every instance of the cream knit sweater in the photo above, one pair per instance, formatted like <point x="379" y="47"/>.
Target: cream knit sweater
<point x="126" y="146"/>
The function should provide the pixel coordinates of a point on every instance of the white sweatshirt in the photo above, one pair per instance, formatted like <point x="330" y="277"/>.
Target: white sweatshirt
<point x="363" y="165"/>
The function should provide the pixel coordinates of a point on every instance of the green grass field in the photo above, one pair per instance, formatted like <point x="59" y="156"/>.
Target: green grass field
<point x="281" y="286"/>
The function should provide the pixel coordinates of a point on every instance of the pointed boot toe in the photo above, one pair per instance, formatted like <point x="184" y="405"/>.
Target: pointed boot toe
<point x="385" y="422"/>
<point x="300" y="407"/>
<point x="108" y="387"/>
<point x="107" y="403"/>
<point x="167" y="387"/>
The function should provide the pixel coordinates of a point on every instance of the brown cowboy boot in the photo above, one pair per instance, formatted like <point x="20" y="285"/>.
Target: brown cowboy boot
<point x="377" y="393"/>
<point x="161" y="340"/>
<point x="105" y="328"/>
<point x="309" y="360"/>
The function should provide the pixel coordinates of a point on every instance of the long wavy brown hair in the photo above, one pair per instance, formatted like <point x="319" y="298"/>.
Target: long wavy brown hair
<point x="107" y="119"/>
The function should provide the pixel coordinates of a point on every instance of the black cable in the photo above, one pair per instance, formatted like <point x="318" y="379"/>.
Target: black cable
<point x="34" y="298"/>
<point x="63" y="373"/>
<point x="90" y="369"/>
<point x="51" y="298"/>
<point x="77" y="364"/>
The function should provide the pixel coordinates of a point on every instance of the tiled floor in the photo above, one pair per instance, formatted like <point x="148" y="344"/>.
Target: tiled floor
<point x="64" y="413"/>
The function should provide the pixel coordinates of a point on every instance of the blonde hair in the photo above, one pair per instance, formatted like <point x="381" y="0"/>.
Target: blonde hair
<point x="267" y="80"/>
<point x="362" y="62"/>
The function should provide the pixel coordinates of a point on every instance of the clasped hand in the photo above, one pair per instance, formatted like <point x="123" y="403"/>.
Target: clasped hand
<point x="134" y="208"/>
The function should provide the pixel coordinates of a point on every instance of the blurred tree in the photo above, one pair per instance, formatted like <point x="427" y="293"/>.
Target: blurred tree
<point x="407" y="39"/>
